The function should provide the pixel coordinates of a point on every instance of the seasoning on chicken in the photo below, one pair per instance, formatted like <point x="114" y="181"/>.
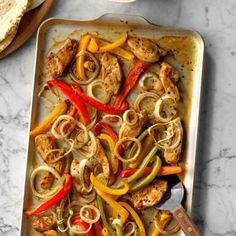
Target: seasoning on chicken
<point x="50" y="233"/>
<point x="150" y="195"/>
<point x="145" y="49"/>
<point x="111" y="73"/>
<point x="58" y="62"/>
<point x="172" y="156"/>
<point x="134" y="124"/>
<point x="102" y="159"/>
<point x="44" y="144"/>
<point x="43" y="223"/>
<point x="168" y="76"/>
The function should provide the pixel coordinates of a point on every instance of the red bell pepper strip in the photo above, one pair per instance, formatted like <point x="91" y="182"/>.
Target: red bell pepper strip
<point x="54" y="199"/>
<point x="98" y="228"/>
<point x="78" y="221"/>
<point x="98" y="105"/>
<point x="74" y="99"/>
<point x="107" y="129"/>
<point x="130" y="82"/>
<point x="164" y="170"/>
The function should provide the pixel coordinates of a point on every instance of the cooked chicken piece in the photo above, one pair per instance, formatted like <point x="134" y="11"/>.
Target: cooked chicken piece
<point x="111" y="73"/>
<point x="158" y="87"/>
<point x="46" y="180"/>
<point x="57" y="62"/>
<point x="168" y="76"/>
<point x="134" y="130"/>
<point x="50" y="233"/>
<point x="172" y="156"/>
<point x="103" y="161"/>
<point x="150" y="195"/>
<point x="43" y="223"/>
<point x="44" y="143"/>
<point x="145" y="49"/>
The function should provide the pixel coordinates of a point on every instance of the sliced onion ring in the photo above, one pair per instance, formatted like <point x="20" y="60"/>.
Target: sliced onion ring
<point x="119" y="144"/>
<point x="90" y="91"/>
<point x="87" y="208"/>
<point x="144" y="79"/>
<point x="141" y="97"/>
<point x="53" y="172"/>
<point x="132" y="230"/>
<point x="66" y="118"/>
<point x="130" y="117"/>
<point x="165" y="104"/>
<point x="95" y="73"/>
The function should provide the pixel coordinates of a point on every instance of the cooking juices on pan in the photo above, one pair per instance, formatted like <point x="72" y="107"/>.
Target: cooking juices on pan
<point x="111" y="137"/>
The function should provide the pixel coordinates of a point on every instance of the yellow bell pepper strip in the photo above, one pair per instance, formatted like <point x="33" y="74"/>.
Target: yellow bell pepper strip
<point x="146" y="146"/>
<point x="136" y="217"/>
<point x="107" y="226"/>
<point x="46" y="124"/>
<point x="83" y="44"/>
<point x="147" y="180"/>
<point x="112" y="191"/>
<point x="93" y="45"/>
<point x="111" y="144"/>
<point x="117" y="51"/>
<point x="113" y="45"/>
<point x="105" y="232"/>
<point x="123" y="213"/>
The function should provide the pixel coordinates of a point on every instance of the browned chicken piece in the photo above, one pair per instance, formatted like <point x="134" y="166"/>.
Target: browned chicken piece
<point x="145" y="49"/>
<point x="133" y="131"/>
<point x="44" y="143"/>
<point x="102" y="159"/>
<point x="51" y="233"/>
<point x="172" y="156"/>
<point x="43" y="223"/>
<point x="168" y="76"/>
<point x="57" y="62"/>
<point x="150" y="195"/>
<point x="111" y="73"/>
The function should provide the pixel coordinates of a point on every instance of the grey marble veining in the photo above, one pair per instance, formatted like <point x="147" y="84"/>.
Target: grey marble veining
<point x="215" y="190"/>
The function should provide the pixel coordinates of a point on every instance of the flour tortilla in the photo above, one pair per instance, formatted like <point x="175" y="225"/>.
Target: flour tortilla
<point x="34" y="3"/>
<point x="11" y="12"/>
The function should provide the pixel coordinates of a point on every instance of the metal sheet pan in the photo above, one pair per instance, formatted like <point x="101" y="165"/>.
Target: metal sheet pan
<point x="188" y="48"/>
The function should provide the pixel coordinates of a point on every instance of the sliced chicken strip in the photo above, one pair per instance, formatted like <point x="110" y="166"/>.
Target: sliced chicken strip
<point x="111" y="73"/>
<point x="51" y="233"/>
<point x="44" y="143"/>
<point x="43" y="223"/>
<point x="145" y="49"/>
<point x="150" y="195"/>
<point x="168" y="76"/>
<point x="58" y="62"/>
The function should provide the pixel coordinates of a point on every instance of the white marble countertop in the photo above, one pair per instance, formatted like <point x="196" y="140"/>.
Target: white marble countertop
<point x="215" y="190"/>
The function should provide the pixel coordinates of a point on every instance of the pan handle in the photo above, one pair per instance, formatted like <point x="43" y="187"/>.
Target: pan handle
<point x="185" y="222"/>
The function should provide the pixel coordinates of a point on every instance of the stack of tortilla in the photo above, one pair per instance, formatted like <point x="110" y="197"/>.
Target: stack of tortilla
<point x="11" y="12"/>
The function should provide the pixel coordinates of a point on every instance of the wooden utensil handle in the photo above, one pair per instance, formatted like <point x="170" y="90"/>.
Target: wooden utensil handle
<point x="185" y="222"/>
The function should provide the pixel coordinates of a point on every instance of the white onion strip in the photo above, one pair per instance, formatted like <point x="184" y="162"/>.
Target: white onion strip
<point x="66" y="118"/>
<point x="166" y="104"/>
<point x="90" y="91"/>
<point x="82" y="165"/>
<point x="86" y="208"/>
<point x="119" y="144"/>
<point x="132" y="230"/>
<point x="141" y="97"/>
<point x="130" y="117"/>
<point x="144" y="78"/>
<point x="53" y="172"/>
<point x="95" y="73"/>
